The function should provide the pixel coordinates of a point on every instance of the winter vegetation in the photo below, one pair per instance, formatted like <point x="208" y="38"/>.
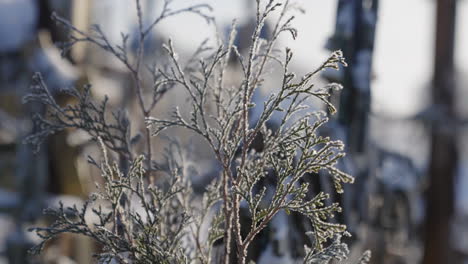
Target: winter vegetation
<point x="145" y="209"/>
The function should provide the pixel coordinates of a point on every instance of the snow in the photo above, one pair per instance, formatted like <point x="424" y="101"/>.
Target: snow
<point x="268" y="257"/>
<point x="18" y="20"/>
<point x="8" y="200"/>
<point x="461" y="189"/>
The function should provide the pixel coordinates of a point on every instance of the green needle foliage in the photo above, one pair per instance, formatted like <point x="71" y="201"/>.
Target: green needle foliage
<point x="137" y="220"/>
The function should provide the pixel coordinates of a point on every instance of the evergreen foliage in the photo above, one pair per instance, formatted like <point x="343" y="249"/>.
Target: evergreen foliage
<point x="140" y="221"/>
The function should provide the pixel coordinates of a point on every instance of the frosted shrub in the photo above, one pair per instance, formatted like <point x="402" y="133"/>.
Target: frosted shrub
<point x="144" y="219"/>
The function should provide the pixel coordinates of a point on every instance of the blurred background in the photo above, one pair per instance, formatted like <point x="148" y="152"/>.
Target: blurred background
<point x="403" y="114"/>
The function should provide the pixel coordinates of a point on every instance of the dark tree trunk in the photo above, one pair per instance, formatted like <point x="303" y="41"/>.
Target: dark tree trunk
<point x="440" y="196"/>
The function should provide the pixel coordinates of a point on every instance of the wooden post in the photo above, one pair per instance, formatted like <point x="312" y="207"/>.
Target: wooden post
<point x="440" y="196"/>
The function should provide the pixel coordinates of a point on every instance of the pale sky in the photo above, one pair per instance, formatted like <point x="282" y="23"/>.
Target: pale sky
<point x="404" y="46"/>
